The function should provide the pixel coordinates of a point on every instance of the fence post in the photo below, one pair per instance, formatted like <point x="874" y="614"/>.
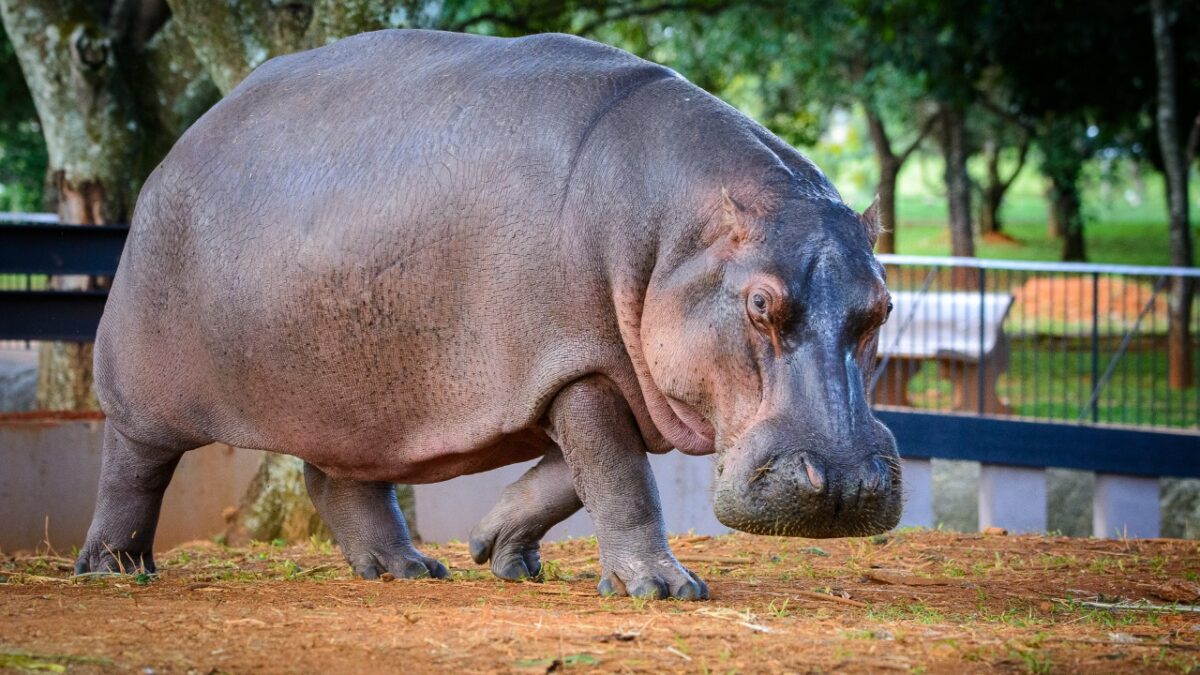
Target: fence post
<point x="1095" y="396"/>
<point x="981" y="375"/>
<point x="1012" y="497"/>
<point x="918" y="493"/>
<point x="1125" y="506"/>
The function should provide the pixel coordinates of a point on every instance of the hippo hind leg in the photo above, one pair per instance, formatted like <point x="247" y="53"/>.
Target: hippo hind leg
<point x="367" y="523"/>
<point x="133" y="478"/>
<point x="510" y="534"/>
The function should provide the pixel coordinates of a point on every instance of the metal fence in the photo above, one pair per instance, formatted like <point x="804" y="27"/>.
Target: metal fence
<point x="1065" y="342"/>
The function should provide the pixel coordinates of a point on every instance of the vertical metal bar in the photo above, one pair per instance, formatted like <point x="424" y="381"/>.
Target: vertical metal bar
<point x="1153" y="362"/>
<point x="1137" y="370"/>
<point x="1036" y="342"/>
<point x="1123" y="407"/>
<point x="1095" y="346"/>
<point x="982" y="369"/>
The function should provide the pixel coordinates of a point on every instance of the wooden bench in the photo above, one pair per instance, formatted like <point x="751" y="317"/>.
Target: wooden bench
<point x="962" y="331"/>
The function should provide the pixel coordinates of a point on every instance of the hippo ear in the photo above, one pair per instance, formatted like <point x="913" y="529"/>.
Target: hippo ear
<point x="733" y="217"/>
<point x="870" y="218"/>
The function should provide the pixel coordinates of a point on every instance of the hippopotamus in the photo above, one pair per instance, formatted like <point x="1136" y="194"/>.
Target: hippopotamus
<point x="409" y="255"/>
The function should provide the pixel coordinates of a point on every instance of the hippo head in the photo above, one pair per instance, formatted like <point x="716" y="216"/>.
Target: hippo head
<point x="762" y="341"/>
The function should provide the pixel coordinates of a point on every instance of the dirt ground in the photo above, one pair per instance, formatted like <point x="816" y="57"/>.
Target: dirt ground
<point x="911" y="601"/>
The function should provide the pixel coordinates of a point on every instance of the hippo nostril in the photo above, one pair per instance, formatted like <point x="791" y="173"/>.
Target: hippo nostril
<point x="815" y="475"/>
<point x="885" y="470"/>
<point x="873" y="480"/>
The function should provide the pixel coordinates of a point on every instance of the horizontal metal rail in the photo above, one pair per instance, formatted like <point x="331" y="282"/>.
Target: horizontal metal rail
<point x="1035" y="266"/>
<point x="61" y="249"/>
<point x="26" y="217"/>
<point x="70" y="316"/>
<point x="1104" y="449"/>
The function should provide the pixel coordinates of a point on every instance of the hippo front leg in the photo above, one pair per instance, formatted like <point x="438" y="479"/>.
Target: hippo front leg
<point x="367" y="523"/>
<point x="510" y="534"/>
<point x="601" y="444"/>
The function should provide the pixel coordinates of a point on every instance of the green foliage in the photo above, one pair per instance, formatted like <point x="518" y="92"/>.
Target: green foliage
<point x="22" y="151"/>
<point x="807" y="69"/>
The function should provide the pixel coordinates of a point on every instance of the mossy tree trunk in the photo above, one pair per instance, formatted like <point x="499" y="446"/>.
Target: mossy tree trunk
<point x="78" y="59"/>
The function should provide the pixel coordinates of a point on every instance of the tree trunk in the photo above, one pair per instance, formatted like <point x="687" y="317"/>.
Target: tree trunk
<point x="888" y="173"/>
<point x="989" y="208"/>
<point x="1054" y="226"/>
<point x="90" y="127"/>
<point x="890" y="164"/>
<point x="952" y="128"/>
<point x="997" y="185"/>
<point x="958" y="182"/>
<point x="1066" y="205"/>
<point x="1061" y="141"/>
<point x="1179" y="341"/>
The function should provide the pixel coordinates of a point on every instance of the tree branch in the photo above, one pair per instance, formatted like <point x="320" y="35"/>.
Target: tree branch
<point x="1021" y="157"/>
<point x="520" y="24"/>
<point x="70" y="63"/>
<point x="629" y="12"/>
<point x="1006" y="115"/>
<point x="925" y="129"/>
<point x="879" y="135"/>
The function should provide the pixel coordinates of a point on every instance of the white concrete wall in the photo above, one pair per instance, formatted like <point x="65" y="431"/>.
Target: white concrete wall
<point x="1012" y="497"/>
<point x="1125" y="506"/>
<point x="49" y="471"/>
<point x="447" y="511"/>
<point x="917" y="475"/>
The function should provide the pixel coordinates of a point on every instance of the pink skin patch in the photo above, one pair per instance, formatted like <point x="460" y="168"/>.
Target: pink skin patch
<point x="681" y="427"/>
<point x="692" y="420"/>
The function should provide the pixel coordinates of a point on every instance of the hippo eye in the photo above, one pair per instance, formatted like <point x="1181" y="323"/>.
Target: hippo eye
<point x="764" y="306"/>
<point x="889" y="307"/>
<point x="758" y="306"/>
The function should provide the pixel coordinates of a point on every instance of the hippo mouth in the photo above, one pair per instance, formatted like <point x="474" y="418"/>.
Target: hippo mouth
<point x="692" y="419"/>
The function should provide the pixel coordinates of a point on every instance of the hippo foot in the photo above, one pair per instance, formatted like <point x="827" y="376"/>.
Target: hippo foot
<point x="512" y="558"/>
<point x="409" y="564"/>
<point x="104" y="560"/>
<point x="660" y="579"/>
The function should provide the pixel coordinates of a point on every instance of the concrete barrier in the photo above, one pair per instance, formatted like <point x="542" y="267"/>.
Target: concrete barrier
<point x="447" y="511"/>
<point x="49" y="470"/>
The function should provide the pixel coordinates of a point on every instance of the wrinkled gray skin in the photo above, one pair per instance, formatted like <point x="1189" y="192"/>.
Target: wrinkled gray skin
<point x="409" y="256"/>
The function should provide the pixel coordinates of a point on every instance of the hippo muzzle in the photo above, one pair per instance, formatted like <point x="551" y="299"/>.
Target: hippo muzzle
<point x="777" y="481"/>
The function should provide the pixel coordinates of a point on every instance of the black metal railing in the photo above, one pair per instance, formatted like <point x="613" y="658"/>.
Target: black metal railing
<point x="48" y="276"/>
<point x="1063" y="342"/>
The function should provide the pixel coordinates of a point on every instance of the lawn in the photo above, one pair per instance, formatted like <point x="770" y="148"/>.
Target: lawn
<point x="910" y="601"/>
<point x="1052" y="379"/>
<point x="1122" y="226"/>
